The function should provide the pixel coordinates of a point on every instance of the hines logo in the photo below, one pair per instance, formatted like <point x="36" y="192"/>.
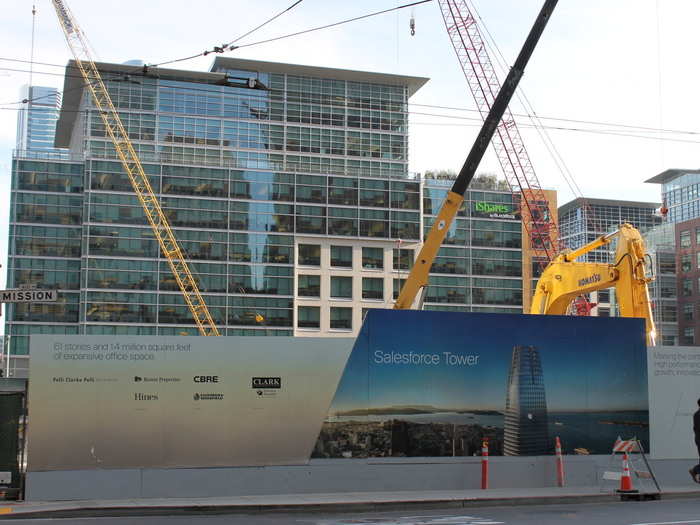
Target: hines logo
<point x="145" y="397"/>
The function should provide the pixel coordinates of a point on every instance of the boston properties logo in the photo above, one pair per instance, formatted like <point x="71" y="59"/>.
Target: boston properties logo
<point x="207" y="397"/>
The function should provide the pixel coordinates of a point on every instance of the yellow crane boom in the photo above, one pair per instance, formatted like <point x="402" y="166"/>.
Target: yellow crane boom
<point x="132" y="165"/>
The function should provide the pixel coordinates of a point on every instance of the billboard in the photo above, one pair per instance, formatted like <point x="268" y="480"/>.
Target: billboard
<point x="674" y="389"/>
<point x="437" y="383"/>
<point x="413" y="383"/>
<point x="129" y="401"/>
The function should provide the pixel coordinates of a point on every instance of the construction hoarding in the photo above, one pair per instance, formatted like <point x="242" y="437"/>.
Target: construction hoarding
<point x="414" y="384"/>
<point x="674" y="390"/>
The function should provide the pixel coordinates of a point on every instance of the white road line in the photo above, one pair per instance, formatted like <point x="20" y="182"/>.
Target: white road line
<point x="682" y="522"/>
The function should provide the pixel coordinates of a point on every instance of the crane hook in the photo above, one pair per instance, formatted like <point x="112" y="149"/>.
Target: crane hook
<point x="412" y="25"/>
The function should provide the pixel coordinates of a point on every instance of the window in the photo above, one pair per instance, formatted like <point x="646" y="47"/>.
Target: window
<point x="687" y="289"/>
<point x="341" y="318"/>
<point x="685" y="239"/>
<point x="309" y="317"/>
<point x="341" y="287"/>
<point x="686" y="262"/>
<point x="403" y="259"/>
<point x="372" y="288"/>
<point x="604" y="296"/>
<point x="309" y="286"/>
<point x="373" y="258"/>
<point x="398" y="284"/>
<point x="310" y="255"/>
<point x="688" y="311"/>
<point x="689" y="336"/>
<point x="603" y="312"/>
<point x="697" y="236"/>
<point x="341" y="256"/>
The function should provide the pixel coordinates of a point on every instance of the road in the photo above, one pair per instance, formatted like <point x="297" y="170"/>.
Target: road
<point x="665" y="512"/>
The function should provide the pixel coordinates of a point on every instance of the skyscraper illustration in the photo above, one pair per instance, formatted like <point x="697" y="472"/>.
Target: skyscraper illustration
<point x="525" y="432"/>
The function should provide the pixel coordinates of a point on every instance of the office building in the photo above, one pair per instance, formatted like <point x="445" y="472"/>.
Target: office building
<point x="36" y="121"/>
<point x="525" y="422"/>
<point x="661" y="247"/>
<point x="479" y="268"/>
<point x="680" y="193"/>
<point x="289" y="201"/>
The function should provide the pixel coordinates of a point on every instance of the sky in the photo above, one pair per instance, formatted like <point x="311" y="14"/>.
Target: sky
<point x="605" y="69"/>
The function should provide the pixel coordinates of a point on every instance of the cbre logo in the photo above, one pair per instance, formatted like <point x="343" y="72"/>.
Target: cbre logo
<point x="206" y="379"/>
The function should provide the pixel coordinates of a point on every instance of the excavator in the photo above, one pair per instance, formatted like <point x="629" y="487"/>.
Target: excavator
<point x="564" y="279"/>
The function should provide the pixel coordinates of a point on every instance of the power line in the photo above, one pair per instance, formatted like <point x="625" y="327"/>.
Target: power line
<point x="333" y="24"/>
<point x="220" y="49"/>
<point x="139" y="73"/>
<point x="230" y="47"/>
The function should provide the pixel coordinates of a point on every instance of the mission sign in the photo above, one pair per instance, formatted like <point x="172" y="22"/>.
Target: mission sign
<point x="28" y="296"/>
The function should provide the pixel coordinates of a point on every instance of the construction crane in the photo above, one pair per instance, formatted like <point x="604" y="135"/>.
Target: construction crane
<point x="133" y="168"/>
<point x="541" y="229"/>
<point x="496" y="108"/>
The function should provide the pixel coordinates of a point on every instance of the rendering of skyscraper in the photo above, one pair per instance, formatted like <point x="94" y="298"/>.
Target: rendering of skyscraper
<point x="525" y="431"/>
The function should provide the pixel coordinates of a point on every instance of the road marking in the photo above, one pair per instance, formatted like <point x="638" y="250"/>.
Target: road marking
<point x="682" y="522"/>
<point x="414" y="520"/>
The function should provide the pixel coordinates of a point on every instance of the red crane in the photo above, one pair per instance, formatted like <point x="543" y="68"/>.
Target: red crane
<point x="541" y="229"/>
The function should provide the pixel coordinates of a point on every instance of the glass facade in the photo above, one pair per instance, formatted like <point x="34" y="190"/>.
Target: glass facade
<point x="584" y="220"/>
<point x="479" y="267"/>
<point x="36" y="122"/>
<point x="240" y="173"/>
<point x="294" y="206"/>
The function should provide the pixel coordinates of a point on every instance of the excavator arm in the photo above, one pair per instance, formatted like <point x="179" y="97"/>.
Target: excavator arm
<point x="564" y="279"/>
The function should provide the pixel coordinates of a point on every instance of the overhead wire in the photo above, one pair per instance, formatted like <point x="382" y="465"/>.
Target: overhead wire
<point x="634" y="130"/>
<point x="541" y="130"/>
<point x="231" y="47"/>
<point x="627" y="131"/>
<point x="220" y="49"/>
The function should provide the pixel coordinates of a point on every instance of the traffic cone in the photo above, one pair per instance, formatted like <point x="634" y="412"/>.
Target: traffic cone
<point x="626" y="479"/>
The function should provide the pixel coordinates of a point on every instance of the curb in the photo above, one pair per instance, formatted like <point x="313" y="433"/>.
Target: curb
<point x="16" y="512"/>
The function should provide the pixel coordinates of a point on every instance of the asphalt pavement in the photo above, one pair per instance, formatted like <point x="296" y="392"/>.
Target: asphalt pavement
<point x="662" y="512"/>
<point x="271" y="508"/>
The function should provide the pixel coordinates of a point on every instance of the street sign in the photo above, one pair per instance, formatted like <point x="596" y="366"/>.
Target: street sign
<point x="28" y="296"/>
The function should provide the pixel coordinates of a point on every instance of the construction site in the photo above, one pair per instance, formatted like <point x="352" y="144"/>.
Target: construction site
<point x="230" y="283"/>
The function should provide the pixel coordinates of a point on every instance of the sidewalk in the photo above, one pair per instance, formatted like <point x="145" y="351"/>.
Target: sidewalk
<point x="357" y="501"/>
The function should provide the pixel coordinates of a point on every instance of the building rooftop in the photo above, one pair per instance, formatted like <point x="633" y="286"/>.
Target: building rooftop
<point x="413" y="83"/>
<point x="580" y="202"/>
<point x="669" y="175"/>
<point x="73" y="82"/>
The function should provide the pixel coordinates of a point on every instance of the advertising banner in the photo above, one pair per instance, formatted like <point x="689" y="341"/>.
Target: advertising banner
<point x="130" y="401"/>
<point x="674" y="389"/>
<point x="437" y="383"/>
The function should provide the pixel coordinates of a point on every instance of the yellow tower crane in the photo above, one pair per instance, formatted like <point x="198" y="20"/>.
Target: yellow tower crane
<point x="132" y="165"/>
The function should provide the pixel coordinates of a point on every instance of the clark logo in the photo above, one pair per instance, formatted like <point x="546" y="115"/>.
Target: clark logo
<point x="595" y="278"/>
<point x="267" y="382"/>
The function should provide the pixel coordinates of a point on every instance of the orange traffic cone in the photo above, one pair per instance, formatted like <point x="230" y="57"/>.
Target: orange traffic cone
<point x="626" y="479"/>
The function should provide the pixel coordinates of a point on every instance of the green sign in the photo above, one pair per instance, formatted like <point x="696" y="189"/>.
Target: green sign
<point x="494" y="210"/>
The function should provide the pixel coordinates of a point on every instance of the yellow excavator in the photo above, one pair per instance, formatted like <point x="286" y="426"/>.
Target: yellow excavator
<point x="564" y="279"/>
